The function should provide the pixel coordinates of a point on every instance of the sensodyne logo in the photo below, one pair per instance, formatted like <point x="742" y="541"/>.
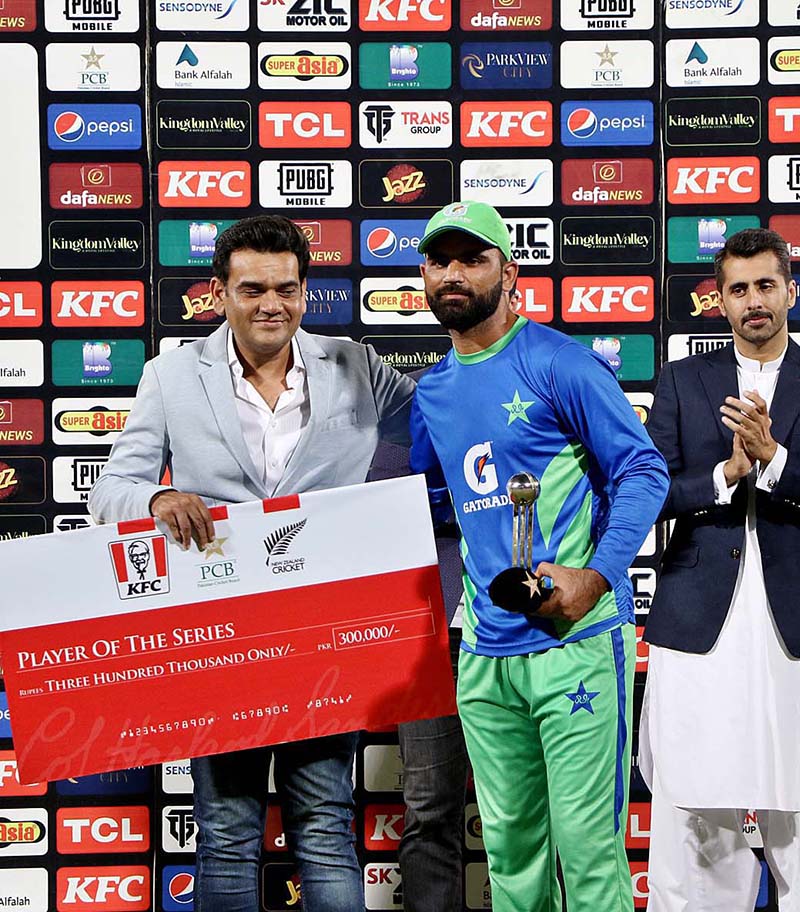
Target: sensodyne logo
<point x="203" y="15"/>
<point x="698" y="14"/>
<point x="524" y="182"/>
<point x="278" y="544"/>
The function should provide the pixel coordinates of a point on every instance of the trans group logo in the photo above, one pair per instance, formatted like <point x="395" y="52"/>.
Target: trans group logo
<point x="391" y="243"/>
<point x="607" y="123"/>
<point x="94" y="126"/>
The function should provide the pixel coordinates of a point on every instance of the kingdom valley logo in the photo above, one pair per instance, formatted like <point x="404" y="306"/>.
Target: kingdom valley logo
<point x="506" y="15"/>
<point x="18" y="526"/>
<point x="21" y="422"/>
<point x="624" y="181"/>
<point x="96" y="245"/>
<point x="18" y="16"/>
<point x="112" y="185"/>
<point x="409" y="353"/>
<point x="624" y="240"/>
<point x="188" y="125"/>
<point x="407" y="184"/>
<point x="140" y="566"/>
<point x="721" y="121"/>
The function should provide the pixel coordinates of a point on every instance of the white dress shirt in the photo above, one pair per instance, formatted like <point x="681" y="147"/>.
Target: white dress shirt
<point x="271" y="435"/>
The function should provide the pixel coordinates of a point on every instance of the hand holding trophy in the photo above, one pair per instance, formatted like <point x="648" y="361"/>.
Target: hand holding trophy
<point x="517" y="589"/>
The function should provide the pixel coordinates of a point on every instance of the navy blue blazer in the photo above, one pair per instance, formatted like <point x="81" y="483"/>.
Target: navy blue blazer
<point x="701" y="561"/>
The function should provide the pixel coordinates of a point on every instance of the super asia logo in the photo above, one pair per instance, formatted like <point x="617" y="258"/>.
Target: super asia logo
<point x="140" y="566"/>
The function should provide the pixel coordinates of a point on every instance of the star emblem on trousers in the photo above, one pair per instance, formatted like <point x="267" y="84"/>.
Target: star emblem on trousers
<point x="517" y="408"/>
<point x="582" y="699"/>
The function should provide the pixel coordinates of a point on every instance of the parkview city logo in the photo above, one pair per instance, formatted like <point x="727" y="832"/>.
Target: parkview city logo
<point x="140" y="566"/>
<point x="518" y="65"/>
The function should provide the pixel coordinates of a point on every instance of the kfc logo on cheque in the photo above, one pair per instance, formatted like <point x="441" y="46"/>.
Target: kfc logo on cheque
<point x="140" y="566"/>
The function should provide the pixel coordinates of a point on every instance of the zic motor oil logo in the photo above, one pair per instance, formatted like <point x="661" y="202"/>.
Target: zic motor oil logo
<point x="140" y="566"/>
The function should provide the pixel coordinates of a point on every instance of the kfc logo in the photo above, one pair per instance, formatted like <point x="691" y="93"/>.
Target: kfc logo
<point x="182" y="183"/>
<point x="383" y="827"/>
<point x="607" y="299"/>
<point x="103" y="829"/>
<point x="10" y="786"/>
<point x="404" y="15"/>
<point x="97" y="304"/>
<point x="140" y="566"/>
<point x="307" y="126"/>
<point x="103" y="889"/>
<point x="718" y="180"/>
<point x="20" y="304"/>
<point x="506" y="123"/>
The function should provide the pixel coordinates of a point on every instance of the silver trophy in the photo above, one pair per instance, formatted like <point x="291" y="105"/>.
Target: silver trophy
<point x="517" y="588"/>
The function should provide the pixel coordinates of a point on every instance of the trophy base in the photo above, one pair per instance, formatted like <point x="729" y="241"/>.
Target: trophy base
<point x="517" y="589"/>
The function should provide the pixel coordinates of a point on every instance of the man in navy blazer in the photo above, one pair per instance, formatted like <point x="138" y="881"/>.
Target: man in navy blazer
<point x="259" y="409"/>
<point x="720" y="730"/>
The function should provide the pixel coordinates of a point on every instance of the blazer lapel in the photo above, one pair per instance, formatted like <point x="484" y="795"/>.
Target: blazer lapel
<point x="718" y="376"/>
<point x="215" y="375"/>
<point x="786" y="399"/>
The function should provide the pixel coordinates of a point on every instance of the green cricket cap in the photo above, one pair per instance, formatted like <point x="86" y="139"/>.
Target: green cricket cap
<point x="478" y="219"/>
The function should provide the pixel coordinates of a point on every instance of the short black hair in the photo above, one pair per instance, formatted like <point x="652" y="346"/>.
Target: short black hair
<point x="265" y="234"/>
<point x="749" y="243"/>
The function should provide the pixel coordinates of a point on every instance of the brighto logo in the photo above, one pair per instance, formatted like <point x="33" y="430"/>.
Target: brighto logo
<point x="480" y="474"/>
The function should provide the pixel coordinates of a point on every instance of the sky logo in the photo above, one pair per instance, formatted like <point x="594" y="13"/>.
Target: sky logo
<point x="94" y="126"/>
<point x="391" y="243"/>
<point x="607" y="123"/>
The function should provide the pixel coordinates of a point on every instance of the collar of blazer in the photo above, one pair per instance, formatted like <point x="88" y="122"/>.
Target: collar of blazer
<point x="717" y="373"/>
<point x="215" y="376"/>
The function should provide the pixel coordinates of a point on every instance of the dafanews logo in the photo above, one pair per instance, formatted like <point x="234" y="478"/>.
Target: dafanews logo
<point x="20" y="304"/>
<point x="607" y="64"/>
<point x="501" y="182"/>
<point x="103" y="889"/>
<point x="97" y="303"/>
<point x="300" y="184"/>
<point x="405" y="124"/>
<point x="404" y="15"/>
<point x="86" y="421"/>
<point x="395" y="300"/>
<point x="699" y="14"/>
<point x="103" y="829"/>
<point x="330" y="241"/>
<point x="424" y="183"/>
<point x="101" y="185"/>
<point x="788" y="227"/>
<point x="712" y="62"/>
<point x="607" y="123"/>
<point x="783" y="55"/>
<point x="304" y="16"/>
<point x="506" y="123"/>
<point x="607" y="299"/>
<point x="728" y="179"/>
<point x="391" y="243"/>
<point x="206" y="183"/>
<point x="23" y="831"/>
<point x="18" y="16"/>
<point x="624" y="240"/>
<point x="111" y="244"/>
<point x="404" y="65"/>
<point x="605" y="15"/>
<point x="203" y="125"/>
<point x="202" y="15"/>
<point x="203" y="65"/>
<point x="312" y="125"/>
<point x="140" y="566"/>
<point x="94" y="126"/>
<point x="480" y="474"/>
<point x="717" y="121"/>
<point x="21" y="422"/>
<point x="506" y="15"/>
<point x="92" y="16"/>
<point x="307" y="66"/>
<point x="600" y="181"/>
<point x="511" y="65"/>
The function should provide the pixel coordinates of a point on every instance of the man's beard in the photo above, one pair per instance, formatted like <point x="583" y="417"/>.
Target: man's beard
<point x="463" y="316"/>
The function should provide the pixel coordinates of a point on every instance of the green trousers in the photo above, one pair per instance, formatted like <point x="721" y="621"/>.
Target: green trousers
<point x="548" y="735"/>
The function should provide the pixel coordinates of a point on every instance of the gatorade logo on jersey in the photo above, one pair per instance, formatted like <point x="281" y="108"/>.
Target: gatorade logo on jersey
<point x="480" y="474"/>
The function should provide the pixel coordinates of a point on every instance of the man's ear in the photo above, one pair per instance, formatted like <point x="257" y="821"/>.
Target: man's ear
<point x="509" y="274"/>
<point x="217" y="296"/>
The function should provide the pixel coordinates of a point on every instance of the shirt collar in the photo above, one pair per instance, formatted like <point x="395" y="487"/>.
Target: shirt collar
<point x="294" y="375"/>
<point x="756" y="367"/>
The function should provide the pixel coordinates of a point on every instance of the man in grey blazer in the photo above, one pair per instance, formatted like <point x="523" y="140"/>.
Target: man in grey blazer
<point x="258" y="409"/>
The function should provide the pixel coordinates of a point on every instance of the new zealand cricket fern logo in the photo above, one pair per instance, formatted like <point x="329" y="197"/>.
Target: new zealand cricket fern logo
<point x="277" y="544"/>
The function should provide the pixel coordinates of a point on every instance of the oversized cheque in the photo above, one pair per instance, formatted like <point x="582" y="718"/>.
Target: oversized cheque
<point x="307" y="616"/>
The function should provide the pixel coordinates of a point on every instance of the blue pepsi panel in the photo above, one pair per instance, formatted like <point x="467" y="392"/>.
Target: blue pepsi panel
<point x="391" y="242"/>
<point x="94" y="126"/>
<point x="607" y="123"/>
<point x="177" y="888"/>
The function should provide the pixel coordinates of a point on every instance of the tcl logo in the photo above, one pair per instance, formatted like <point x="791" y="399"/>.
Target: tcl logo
<point x="534" y="298"/>
<point x="183" y="183"/>
<point x="10" y="786"/>
<point x="642" y="651"/>
<point x="638" y="833"/>
<point x="719" y="180"/>
<point x="20" y="304"/>
<point x="641" y="887"/>
<point x="607" y="299"/>
<point x="383" y="826"/>
<point x="410" y="15"/>
<point x="97" y="304"/>
<point x="113" y="889"/>
<point x="784" y="119"/>
<point x="506" y="123"/>
<point x="103" y="829"/>
<point x="310" y="126"/>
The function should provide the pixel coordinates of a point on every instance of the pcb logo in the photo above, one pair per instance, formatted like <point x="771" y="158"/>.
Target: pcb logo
<point x="140" y="566"/>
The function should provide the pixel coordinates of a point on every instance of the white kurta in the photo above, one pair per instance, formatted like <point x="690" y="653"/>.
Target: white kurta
<point x="723" y="728"/>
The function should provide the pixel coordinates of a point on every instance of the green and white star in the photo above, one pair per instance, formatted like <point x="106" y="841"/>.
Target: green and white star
<point x="517" y="408"/>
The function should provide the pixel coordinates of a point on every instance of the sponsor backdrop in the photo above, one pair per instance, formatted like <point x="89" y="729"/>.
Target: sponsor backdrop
<point x="623" y="140"/>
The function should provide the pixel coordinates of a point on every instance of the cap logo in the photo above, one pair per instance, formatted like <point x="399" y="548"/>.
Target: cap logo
<point x="455" y="209"/>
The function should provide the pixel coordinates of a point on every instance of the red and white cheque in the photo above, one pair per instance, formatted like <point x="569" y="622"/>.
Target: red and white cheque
<point x="306" y="616"/>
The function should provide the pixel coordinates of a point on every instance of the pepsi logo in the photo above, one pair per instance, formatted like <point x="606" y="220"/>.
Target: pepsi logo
<point x="181" y="888"/>
<point x="382" y="242"/>
<point x="69" y="126"/>
<point x="582" y="123"/>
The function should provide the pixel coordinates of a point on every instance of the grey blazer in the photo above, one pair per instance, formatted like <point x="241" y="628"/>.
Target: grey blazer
<point x="184" y="418"/>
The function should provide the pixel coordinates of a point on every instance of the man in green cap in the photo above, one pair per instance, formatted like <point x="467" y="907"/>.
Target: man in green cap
<point x="544" y="691"/>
